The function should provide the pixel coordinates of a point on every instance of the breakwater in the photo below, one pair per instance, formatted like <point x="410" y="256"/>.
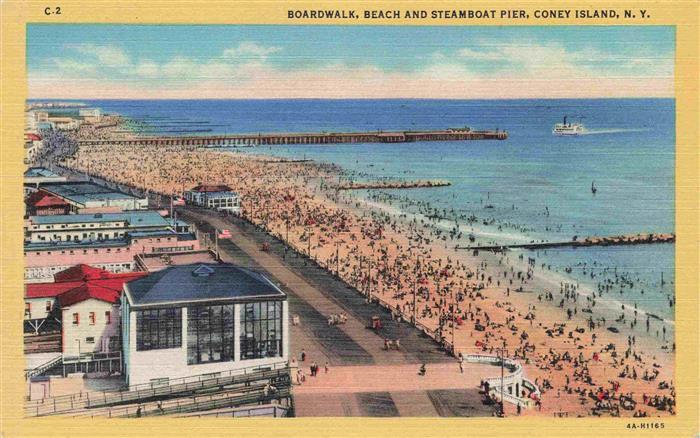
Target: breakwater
<point x="636" y="239"/>
<point x="392" y="184"/>
<point x="303" y="138"/>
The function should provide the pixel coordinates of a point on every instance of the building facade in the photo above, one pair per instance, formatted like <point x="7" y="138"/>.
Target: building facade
<point x="85" y="302"/>
<point x="199" y="319"/>
<point x="92" y="227"/>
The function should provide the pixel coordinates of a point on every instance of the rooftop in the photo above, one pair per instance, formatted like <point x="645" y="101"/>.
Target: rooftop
<point x="157" y="262"/>
<point x="85" y="191"/>
<point x="159" y="233"/>
<point x="80" y="283"/>
<point x="41" y="198"/>
<point x="136" y="218"/>
<point x="212" y="188"/>
<point x="68" y="245"/>
<point x="204" y="282"/>
<point x="40" y="172"/>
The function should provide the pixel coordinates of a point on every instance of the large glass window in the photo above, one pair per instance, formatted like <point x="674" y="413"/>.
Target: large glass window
<point x="158" y="329"/>
<point x="261" y="330"/>
<point x="210" y="334"/>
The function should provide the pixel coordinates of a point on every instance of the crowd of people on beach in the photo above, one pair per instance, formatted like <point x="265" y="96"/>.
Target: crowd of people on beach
<point x="469" y="302"/>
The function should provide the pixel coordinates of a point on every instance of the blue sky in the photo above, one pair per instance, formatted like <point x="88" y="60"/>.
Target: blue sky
<point x="90" y="61"/>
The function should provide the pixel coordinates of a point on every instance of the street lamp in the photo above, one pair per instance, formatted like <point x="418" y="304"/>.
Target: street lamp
<point x="369" y="279"/>
<point x="415" y="290"/>
<point x="337" y="257"/>
<point x="454" y="323"/>
<point x="308" y="238"/>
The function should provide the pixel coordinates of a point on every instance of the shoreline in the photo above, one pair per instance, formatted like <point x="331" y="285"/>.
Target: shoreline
<point x="556" y="277"/>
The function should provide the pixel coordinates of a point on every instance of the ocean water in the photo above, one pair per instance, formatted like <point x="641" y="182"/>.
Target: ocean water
<point x="532" y="186"/>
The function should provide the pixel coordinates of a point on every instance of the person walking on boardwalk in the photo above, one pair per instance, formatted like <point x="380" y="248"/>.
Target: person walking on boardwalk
<point x="303" y="355"/>
<point x="461" y="363"/>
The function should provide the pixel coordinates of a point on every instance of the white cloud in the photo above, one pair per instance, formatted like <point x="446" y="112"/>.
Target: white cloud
<point x="250" y="50"/>
<point x="532" y="60"/>
<point x="482" y="55"/>
<point x="109" y="56"/>
<point x="74" y="67"/>
<point x="147" y="69"/>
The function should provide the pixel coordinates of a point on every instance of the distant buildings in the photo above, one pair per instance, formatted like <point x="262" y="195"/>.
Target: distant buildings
<point x="90" y="113"/>
<point x="33" y="145"/>
<point x="34" y="118"/>
<point x="217" y="197"/>
<point x="200" y="319"/>
<point x="45" y="126"/>
<point x="65" y="123"/>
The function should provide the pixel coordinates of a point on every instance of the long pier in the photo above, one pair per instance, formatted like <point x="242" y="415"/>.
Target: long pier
<point x="588" y="241"/>
<point x="303" y="138"/>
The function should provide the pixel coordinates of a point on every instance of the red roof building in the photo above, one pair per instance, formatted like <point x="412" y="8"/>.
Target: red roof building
<point x="30" y="136"/>
<point x="41" y="203"/>
<point x="85" y="302"/>
<point x="81" y="283"/>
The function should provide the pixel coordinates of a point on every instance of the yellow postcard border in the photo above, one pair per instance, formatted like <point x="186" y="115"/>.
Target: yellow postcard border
<point x="16" y="14"/>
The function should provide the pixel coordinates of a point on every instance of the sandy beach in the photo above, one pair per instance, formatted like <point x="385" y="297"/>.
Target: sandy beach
<point x="471" y="302"/>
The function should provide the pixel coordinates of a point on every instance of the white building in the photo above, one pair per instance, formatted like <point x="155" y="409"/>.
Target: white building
<point x="84" y="300"/>
<point x="32" y="118"/>
<point x="65" y="123"/>
<point x="217" y="197"/>
<point x="90" y="112"/>
<point x="199" y="319"/>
